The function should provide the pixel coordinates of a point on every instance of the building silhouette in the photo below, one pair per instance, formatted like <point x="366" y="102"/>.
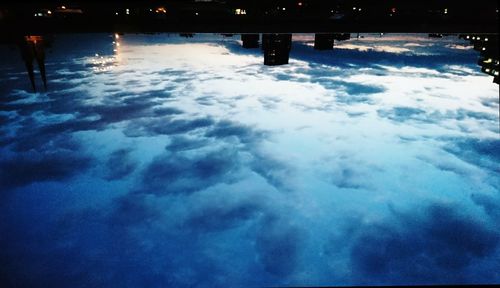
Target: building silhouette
<point x="323" y="41"/>
<point x="276" y="48"/>
<point x="487" y="46"/>
<point x="342" y="36"/>
<point x="250" y="40"/>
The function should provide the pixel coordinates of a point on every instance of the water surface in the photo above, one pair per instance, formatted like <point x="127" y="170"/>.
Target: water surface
<point x="162" y="161"/>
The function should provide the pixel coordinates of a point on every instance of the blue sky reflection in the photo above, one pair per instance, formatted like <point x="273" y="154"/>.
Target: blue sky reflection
<point x="186" y="162"/>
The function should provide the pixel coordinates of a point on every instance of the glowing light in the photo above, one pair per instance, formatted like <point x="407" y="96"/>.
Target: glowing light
<point x="117" y="36"/>
<point x="161" y="10"/>
<point x="485" y="39"/>
<point x="445" y="10"/>
<point x="484" y="48"/>
<point x="240" y="11"/>
<point x="393" y="10"/>
<point x="127" y="11"/>
<point x="300" y="3"/>
<point x="33" y="38"/>
<point x="63" y="7"/>
<point x="49" y="12"/>
<point x="103" y="64"/>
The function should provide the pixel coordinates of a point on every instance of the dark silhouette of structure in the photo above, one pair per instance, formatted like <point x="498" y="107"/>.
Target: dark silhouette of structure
<point x="487" y="45"/>
<point x="323" y="41"/>
<point x="250" y="40"/>
<point x="248" y="16"/>
<point x="32" y="48"/>
<point x="276" y="48"/>
<point x="342" y="36"/>
<point x="435" y="35"/>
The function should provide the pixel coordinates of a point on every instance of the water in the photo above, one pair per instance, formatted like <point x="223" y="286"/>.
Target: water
<point x="162" y="161"/>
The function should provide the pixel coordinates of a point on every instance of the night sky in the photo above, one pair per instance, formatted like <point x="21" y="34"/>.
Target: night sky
<point x="185" y="162"/>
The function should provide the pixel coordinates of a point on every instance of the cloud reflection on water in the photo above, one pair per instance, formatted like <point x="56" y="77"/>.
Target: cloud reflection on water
<point x="189" y="163"/>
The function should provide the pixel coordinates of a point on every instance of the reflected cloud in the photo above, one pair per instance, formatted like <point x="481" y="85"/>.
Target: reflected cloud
<point x="437" y="244"/>
<point x="382" y="48"/>
<point x="165" y="126"/>
<point x="182" y="143"/>
<point x="279" y="245"/>
<point x="401" y="114"/>
<point x="224" y="129"/>
<point x="120" y="164"/>
<point x="220" y="213"/>
<point x="57" y="160"/>
<point x="484" y="153"/>
<point x="490" y="204"/>
<point x="172" y="173"/>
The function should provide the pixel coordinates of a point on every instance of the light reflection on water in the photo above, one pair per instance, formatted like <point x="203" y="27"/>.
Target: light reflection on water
<point x="186" y="162"/>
